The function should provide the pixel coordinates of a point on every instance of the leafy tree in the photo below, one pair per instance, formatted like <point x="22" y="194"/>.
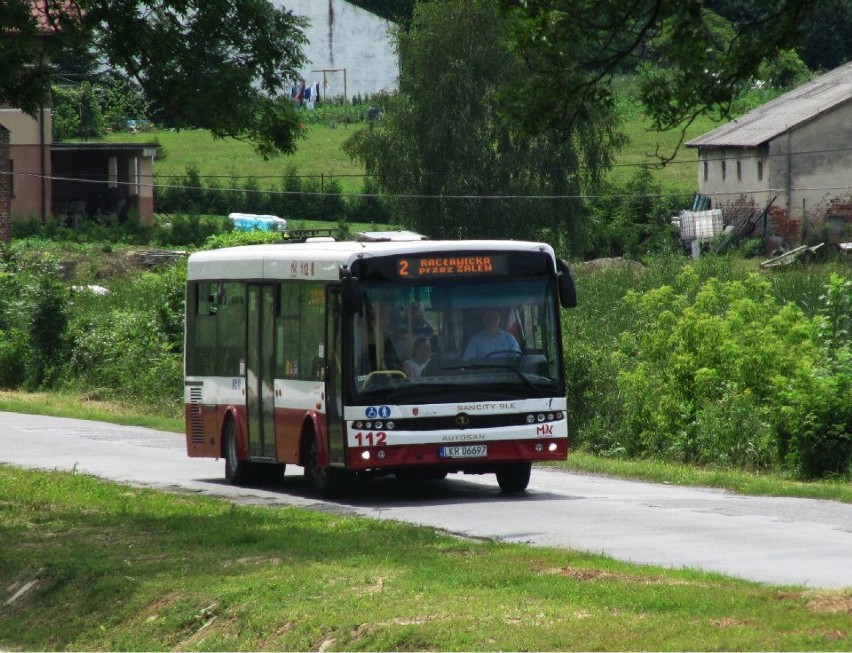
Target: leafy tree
<point x="451" y="165"/>
<point x="121" y="100"/>
<point x="77" y="112"/>
<point x="631" y="220"/>
<point x="785" y="72"/>
<point x="826" y="31"/>
<point x="828" y="35"/>
<point x="574" y="47"/>
<point x="216" y="64"/>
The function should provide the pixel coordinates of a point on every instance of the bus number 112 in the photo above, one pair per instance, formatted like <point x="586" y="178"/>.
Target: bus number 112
<point x="371" y="439"/>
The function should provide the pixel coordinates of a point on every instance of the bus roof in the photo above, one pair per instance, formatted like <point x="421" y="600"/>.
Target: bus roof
<point x="322" y="260"/>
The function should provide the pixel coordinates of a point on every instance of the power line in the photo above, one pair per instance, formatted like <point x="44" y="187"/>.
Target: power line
<point x="439" y="196"/>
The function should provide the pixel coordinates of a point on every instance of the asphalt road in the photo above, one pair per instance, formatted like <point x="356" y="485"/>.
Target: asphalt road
<point x="771" y="540"/>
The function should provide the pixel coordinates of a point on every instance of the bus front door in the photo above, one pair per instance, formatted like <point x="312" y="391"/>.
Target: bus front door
<point x="260" y="372"/>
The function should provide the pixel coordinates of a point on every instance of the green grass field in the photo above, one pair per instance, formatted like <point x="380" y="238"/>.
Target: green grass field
<point x="95" y="566"/>
<point x="320" y="154"/>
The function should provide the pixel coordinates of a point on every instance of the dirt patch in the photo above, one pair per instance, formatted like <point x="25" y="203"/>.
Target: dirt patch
<point x="94" y="264"/>
<point x="839" y="602"/>
<point x="588" y="575"/>
<point x="604" y="264"/>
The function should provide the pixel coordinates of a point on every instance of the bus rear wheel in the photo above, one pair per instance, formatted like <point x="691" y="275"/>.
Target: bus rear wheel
<point x="238" y="472"/>
<point x="514" y="477"/>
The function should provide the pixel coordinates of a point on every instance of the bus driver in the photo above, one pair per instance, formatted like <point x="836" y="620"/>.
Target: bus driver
<point x="491" y="339"/>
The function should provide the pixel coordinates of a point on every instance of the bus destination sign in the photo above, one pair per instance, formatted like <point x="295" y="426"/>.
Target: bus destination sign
<point x="451" y="266"/>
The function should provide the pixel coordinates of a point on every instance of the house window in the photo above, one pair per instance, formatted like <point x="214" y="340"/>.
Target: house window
<point x="706" y="170"/>
<point x="724" y="171"/>
<point x="739" y="171"/>
<point x="760" y="170"/>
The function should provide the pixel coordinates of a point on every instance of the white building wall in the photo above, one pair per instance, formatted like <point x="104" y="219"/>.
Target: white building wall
<point x="820" y="161"/>
<point x="805" y="176"/>
<point x="342" y="35"/>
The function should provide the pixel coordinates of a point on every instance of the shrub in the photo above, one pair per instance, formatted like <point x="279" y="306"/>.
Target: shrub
<point x="815" y="429"/>
<point x="183" y="230"/>
<point x="40" y="309"/>
<point x="14" y="348"/>
<point x="235" y="238"/>
<point x="124" y="356"/>
<point x="705" y="367"/>
<point x="316" y="197"/>
<point x="594" y="413"/>
<point x="734" y="431"/>
<point x="630" y="220"/>
<point x="815" y="425"/>
<point x="128" y="344"/>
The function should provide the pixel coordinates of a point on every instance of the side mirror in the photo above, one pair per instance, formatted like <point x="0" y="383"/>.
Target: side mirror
<point x="350" y="291"/>
<point x="567" y="290"/>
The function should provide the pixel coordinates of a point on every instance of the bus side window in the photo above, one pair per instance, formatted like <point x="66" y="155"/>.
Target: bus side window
<point x="231" y="332"/>
<point x="312" y="342"/>
<point x="202" y="333"/>
<point x="300" y="331"/>
<point x="287" y="330"/>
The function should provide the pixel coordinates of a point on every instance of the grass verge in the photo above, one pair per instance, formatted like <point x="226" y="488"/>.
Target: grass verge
<point x="90" y="565"/>
<point x="84" y="407"/>
<point x="738" y="481"/>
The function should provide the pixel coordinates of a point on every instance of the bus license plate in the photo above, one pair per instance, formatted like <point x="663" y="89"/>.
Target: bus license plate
<point x="469" y="451"/>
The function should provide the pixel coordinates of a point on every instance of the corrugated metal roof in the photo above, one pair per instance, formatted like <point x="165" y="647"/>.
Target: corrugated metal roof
<point x="783" y="113"/>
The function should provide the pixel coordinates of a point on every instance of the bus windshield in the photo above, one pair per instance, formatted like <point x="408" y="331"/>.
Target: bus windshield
<point x="429" y="342"/>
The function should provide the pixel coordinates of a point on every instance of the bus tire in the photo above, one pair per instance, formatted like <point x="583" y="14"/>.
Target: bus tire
<point x="238" y="472"/>
<point x="327" y="482"/>
<point x="514" y="477"/>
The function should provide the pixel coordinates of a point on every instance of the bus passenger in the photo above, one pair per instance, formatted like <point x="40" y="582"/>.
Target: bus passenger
<point x="415" y="365"/>
<point x="491" y="340"/>
<point x="419" y="324"/>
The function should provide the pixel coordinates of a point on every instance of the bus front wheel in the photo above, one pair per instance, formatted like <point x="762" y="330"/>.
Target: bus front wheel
<point x="514" y="477"/>
<point x="328" y="482"/>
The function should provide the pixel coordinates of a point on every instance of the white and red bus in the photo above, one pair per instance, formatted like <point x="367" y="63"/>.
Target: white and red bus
<point x="371" y="357"/>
